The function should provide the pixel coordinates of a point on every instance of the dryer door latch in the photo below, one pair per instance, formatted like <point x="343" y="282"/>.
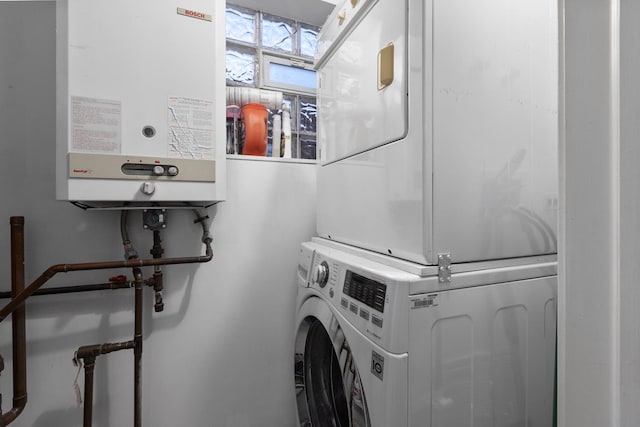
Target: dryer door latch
<point x="444" y="268"/>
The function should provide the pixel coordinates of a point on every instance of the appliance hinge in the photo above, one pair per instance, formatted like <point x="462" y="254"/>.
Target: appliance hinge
<point x="444" y="268"/>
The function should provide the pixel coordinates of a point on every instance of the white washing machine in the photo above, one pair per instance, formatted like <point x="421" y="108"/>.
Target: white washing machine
<point x="381" y="342"/>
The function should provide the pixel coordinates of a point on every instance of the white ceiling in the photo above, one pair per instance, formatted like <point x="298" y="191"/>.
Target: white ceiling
<point x="310" y="11"/>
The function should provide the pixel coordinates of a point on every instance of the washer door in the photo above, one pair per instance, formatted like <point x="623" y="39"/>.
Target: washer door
<point x="328" y="387"/>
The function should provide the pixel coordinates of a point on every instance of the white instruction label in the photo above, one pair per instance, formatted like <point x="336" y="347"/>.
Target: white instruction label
<point x="95" y="125"/>
<point x="190" y="128"/>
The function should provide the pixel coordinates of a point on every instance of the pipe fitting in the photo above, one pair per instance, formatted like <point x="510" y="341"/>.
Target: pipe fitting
<point x="158" y="287"/>
<point x="90" y="352"/>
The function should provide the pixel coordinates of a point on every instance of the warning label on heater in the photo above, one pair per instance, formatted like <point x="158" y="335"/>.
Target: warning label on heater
<point x="424" y="302"/>
<point x="190" y="128"/>
<point x="95" y="125"/>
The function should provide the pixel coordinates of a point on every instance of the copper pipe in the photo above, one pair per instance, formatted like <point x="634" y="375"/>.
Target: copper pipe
<point x="19" y="345"/>
<point x="137" y="350"/>
<point x="89" y="367"/>
<point x="88" y="355"/>
<point x="65" y="268"/>
<point x="20" y="294"/>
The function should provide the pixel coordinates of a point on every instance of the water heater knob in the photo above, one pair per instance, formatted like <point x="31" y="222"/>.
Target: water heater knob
<point x="158" y="170"/>
<point x="322" y="274"/>
<point x="148" y="188"/>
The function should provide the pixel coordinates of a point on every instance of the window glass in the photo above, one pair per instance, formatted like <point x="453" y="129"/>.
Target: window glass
<point x="308" y="40"/>
<point x="307" y="146"/>
<point x="278" y="33"/>
<point x="308" y="113"/>
<point x="241" y="24"/>
<point x="241" y="66"/>
<point x="289" y="75"/>
<point x="284" y="66"/>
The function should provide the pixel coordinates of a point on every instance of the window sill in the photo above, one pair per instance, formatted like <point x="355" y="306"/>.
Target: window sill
<point x="270" y="159"/>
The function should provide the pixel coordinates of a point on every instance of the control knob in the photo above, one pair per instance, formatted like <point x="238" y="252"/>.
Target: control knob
<point x="322" y="274"/>
<point x="148" y="188"/>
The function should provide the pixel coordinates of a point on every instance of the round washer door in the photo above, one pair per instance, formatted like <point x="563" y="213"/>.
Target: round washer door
<point x="328" y="387"/>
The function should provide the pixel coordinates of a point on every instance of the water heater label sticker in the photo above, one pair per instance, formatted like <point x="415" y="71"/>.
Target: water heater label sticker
<point x="194" y="14"/>
<point x="95" y="125"/>
<point x="190" y="128"/>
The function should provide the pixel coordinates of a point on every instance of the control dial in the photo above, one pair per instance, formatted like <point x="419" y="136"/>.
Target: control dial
<point x="148" y="188"/>
<point x="322" y="274"/>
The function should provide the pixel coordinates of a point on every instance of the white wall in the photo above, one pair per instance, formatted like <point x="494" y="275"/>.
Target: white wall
<point x="221" y="353"/>
<point x="599" y="333"/>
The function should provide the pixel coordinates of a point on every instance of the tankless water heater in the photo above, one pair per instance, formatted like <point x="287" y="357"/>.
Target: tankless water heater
<point x="140" y="102"/>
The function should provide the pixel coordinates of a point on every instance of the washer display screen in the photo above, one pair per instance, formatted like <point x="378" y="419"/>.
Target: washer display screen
<point x="365" y="290"/>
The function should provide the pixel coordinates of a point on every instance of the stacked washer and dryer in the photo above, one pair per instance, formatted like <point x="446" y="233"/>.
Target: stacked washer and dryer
<point x="429" y="297"/>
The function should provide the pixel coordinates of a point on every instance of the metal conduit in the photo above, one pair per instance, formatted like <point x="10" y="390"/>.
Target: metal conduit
<point x="76" y="289"/>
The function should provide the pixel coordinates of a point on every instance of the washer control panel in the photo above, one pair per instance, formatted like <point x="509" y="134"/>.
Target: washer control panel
<point x="361" y="297"/>
<point x="369" y="295"/>
<point x="365" y="290"/>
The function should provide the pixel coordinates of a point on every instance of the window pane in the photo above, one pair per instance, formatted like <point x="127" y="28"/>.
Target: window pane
<point x="241" y="66"/>
<point x="278" y="33"/>
<point x="292" y="102"/>
<point x="308" y="114"/>
<point x="241" y="24"/>
<point x="280" y="73"/>
<point x="308" y="40"/>
<point x="307" y="146"/>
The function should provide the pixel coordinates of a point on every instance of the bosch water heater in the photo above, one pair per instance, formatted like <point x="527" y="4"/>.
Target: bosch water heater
<point x="140" y="102"/>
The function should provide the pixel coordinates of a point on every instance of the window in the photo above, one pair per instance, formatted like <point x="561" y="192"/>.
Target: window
<point x="275" y="53"/>
<point x="288" y="74"/>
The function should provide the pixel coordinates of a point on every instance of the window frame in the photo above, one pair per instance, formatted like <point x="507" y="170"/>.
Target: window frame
<point x="288" y="61"/>
<point x="265" y="56"/>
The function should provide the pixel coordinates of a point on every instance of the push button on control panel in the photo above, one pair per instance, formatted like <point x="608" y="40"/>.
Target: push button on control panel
<point x="376" y="320"/>
<point x="353" y="308"/>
